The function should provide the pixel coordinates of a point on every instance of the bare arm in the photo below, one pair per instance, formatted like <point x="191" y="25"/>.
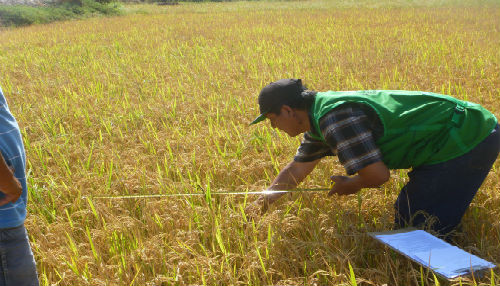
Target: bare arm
<point x="372" y="175"/>
<point x="289" y="178"/>
<point x="9" y="185"/>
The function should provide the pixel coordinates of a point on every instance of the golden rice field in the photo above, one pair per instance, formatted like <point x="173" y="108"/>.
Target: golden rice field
<point x="159" y="103"/>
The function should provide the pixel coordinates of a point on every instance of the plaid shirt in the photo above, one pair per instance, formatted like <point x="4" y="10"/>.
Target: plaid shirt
<point x="350" y="132"/>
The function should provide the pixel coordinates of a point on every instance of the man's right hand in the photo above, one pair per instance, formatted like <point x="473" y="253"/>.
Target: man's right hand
<point x="12" y="191"/>
<point x="9" y="184"/>
<point x="287" y="179"/>
<point x="261" y="205"/>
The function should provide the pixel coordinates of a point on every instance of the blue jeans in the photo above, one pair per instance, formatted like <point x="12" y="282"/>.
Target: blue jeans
<point x="17" y="265"/>
<point x="444" y="191"/>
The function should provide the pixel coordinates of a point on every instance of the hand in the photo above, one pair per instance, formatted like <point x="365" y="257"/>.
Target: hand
<point x="343" y="185"/>
<point x="12" y="192"/>
<point x="254" y="209"/>
<point x="261" y="205"/>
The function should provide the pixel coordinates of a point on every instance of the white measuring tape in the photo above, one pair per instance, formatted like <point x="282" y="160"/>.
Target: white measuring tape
<point x="147" y="196"/>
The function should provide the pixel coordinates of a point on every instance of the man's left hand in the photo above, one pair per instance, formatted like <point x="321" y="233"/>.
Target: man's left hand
<point x="343" y="185"/>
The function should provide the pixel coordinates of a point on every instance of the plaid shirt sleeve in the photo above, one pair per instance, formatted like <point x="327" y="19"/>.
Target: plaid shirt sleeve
<point x="348" y="131"/>
<point x="311" y="149"/>
<point x="348" y="134"/>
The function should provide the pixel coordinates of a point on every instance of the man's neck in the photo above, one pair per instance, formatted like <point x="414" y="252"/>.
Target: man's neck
<point x="304" y="120"/>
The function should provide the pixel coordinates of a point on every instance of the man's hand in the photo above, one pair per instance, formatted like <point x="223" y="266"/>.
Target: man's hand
<point x="11" y="189"/>
<point x="370" y="176"/>
<point x="287" y="179"/>
<point x="261" y="205"/>
<point x="9" y="184"/>
<point x="343" y="185"/>
<point x="253" y="210"/>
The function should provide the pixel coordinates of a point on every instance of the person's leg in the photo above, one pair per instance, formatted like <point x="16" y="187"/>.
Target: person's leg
<point x="445" y="190"/>
<point x="18" y="263"/>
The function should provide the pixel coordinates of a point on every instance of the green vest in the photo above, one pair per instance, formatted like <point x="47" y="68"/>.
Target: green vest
<point x="420" y="128"/>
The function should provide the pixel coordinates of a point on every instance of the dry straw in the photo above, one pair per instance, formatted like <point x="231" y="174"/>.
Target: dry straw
<point x="160" y="103"/>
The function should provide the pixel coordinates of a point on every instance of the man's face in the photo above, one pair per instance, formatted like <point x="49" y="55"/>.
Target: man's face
<point x="286" y="121"/>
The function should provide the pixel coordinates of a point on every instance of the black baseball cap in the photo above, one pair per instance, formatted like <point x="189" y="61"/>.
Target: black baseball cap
<point x="277" y="94"/>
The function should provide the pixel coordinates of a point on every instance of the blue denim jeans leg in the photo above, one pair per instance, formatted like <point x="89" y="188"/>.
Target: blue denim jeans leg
<point x="17" y="265"/>
<point x="445" y="190"/>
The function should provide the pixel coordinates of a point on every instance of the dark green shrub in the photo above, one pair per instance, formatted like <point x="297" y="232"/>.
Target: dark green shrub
<point x="167" y="2"/>
<point x="25" y="15"/>
<point x="20" y="15"/>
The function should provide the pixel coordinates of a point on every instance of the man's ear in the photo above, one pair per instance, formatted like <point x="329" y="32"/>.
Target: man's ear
<point x="287" y="109"/>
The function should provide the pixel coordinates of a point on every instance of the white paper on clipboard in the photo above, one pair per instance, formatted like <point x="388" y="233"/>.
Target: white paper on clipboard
<point x="431" y="252"/>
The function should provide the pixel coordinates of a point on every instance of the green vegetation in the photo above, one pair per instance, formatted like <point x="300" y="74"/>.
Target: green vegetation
<point x="20" y="15"/>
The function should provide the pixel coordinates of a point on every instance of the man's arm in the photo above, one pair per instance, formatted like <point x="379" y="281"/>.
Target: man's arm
<point x="372" y="175"/>
<point x="290" y="177"/>
<point x="9" y="185"/>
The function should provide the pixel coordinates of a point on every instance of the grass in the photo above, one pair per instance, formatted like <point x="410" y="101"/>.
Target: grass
<point x="160" y="103"/>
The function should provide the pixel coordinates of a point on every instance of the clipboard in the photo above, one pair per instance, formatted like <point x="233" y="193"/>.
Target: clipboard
<point x="431" y="252"/>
